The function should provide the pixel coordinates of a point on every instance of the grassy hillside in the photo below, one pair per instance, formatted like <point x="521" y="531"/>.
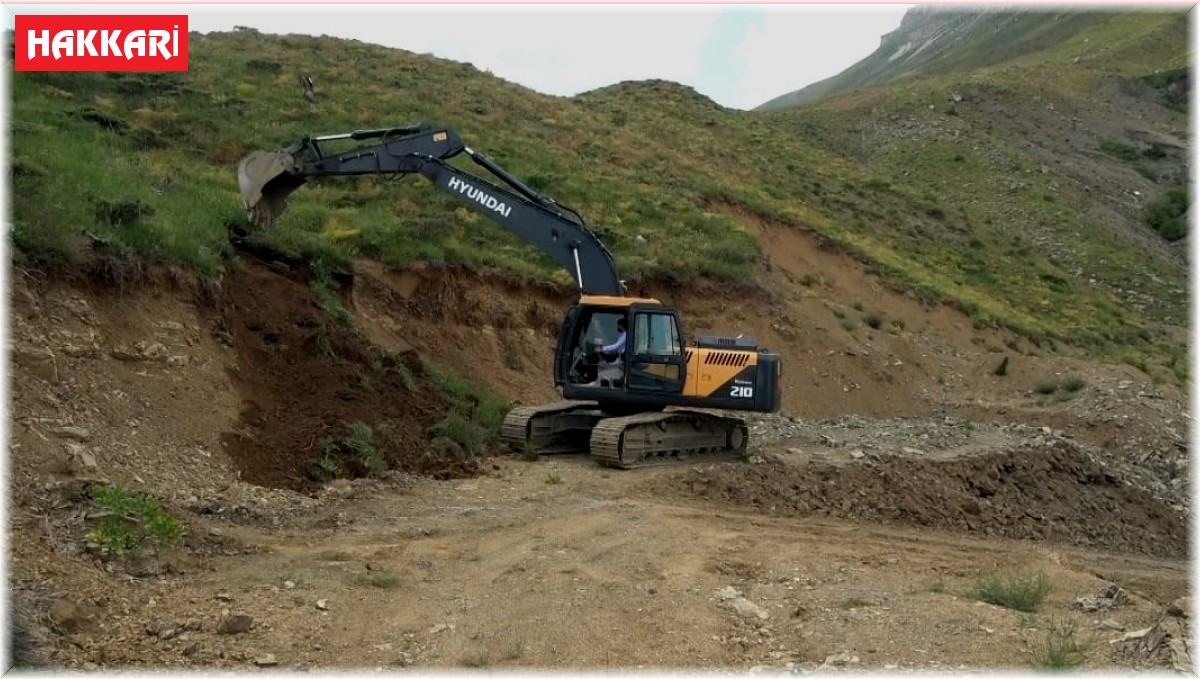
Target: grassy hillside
<point x="143" y="165"/>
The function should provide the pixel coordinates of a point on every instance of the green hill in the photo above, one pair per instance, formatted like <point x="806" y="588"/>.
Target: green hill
<point x="950" y="186"/>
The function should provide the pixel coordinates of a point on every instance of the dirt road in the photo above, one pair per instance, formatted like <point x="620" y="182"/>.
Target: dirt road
<point x="561" y="564"/>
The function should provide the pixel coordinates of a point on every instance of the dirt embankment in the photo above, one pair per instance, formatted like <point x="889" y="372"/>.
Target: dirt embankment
<point x="307" y="379"/>
<point x="1054" y="493"/>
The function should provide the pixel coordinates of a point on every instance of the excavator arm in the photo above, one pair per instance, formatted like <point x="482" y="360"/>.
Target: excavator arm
<point x="266" y="179"/>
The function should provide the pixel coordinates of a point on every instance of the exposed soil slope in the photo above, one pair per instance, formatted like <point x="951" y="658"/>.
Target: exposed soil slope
<point x="305" y="378"/>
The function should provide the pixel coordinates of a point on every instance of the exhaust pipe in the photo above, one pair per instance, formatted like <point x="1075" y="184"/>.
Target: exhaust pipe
<point x="266" y="179"/>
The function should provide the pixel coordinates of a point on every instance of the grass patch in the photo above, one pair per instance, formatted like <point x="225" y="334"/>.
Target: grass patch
<point x="475" y="659"/>
<point x="323" y="288"/>
<point x="1073" y="384"/>
<point x="126" y="521"/>
<point x="529" y="452"/>
<point x="1019" y="592"/>
<point x="476" y="413"/>
<point x="355" y="454"/>
<point x="1166" y="213"/>
<point x="1138" y="360"/>
<point x="1061" y="649"/>
<point x="1045" y="387"/>
<point x="1119" y="150"/>
<point x="856" y="602"/>
<point x="553" y="478"/>
<point x="1066" y="388"/>
<point x="1002" y="369"/>
<point x="378" y="579"/>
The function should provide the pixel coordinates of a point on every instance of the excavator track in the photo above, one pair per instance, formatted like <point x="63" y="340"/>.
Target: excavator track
<point x="670" y="437"/>
<point x="560" y="427"/>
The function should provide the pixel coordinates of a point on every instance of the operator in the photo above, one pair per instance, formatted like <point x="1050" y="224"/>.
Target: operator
<point x="611" y="370"/>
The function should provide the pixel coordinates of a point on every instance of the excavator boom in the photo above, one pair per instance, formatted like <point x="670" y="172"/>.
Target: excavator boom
<point x="267" y="178"/>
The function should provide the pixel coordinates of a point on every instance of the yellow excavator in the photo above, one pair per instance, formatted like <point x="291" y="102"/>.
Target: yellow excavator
<point x="652" y="399"/>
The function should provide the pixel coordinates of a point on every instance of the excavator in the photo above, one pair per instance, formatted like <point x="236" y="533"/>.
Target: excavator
<point x="660" y="401"/>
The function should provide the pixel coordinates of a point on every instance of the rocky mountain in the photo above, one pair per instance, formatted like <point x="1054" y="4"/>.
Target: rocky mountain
<point x="932" y="40"/>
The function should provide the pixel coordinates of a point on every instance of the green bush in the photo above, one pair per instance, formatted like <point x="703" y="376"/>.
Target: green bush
<point x="1018" y="592"/>
<point x="1165" y="214"/>
<point x="126" y="521"/>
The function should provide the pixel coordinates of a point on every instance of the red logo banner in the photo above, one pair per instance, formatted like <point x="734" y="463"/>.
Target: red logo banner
<point x="111" y="42"/>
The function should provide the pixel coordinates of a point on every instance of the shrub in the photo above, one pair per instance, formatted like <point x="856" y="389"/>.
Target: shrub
<point x="1002" y="369"/>
<point x="1165" y="213"/>
<point x="1018" y="592"/>
<point x="127" y="521"/>
<point x="1061" y="649"/>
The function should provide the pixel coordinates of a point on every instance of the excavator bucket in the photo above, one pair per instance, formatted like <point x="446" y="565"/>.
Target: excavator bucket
<point x="266" y="179"/>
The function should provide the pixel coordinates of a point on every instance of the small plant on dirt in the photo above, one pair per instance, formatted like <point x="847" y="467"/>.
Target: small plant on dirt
<point x="324" y="348"/>
<point x="528" y="452"/>
<point x="357" y="448"/>
<point x="1002" y="369"/>
<point x="327" y="466"/>
<point x="379" y="580"/>
<point x="1019" y="592"/>
<point x="936" y="587"/>
<point x="856" y="602"/>
<point x="1062" y="650"/>
<point x="874" y="320"/>
<point x="475" y="416"/>
<point x="361" y="443"/>
<point x="462" y="431"/>
<point x="1138" y="360"/>
<point x="1028" y="621"/>
<point x="552" y="478"/>
<point x="514" y="652"/>
<point x="1073" y="384"/>
<point x="323" y="289"/>
<point x="127" y="521"/>
<point x="1045" y="387"/>
<point x="475" y="659"/>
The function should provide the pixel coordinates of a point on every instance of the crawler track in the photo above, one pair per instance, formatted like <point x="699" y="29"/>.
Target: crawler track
<point x="561" y="427"/>
<point x="650" y="439"/>
<point x="628" y="441"/>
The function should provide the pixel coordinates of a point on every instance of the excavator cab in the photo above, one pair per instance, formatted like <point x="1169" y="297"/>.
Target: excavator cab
<point x="654" y="361"/>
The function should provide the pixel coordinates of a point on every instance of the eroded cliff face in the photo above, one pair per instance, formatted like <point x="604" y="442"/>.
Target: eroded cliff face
<point x="925" y="31"/>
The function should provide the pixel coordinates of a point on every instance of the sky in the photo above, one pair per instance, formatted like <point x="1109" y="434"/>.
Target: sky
<point x="739" y="55"/>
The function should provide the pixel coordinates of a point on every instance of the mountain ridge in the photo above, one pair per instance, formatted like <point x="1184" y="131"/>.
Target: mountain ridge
<point x="932" y="40"/>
